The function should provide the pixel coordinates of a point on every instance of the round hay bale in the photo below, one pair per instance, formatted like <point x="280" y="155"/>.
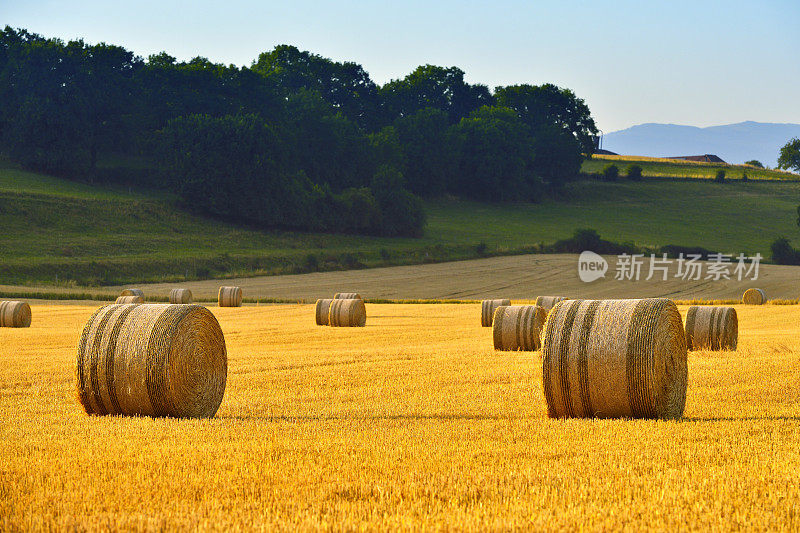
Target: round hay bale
<point x="180" y="296"/>
<point x="754" y="297"/>
<point x="152" y="360"/>
<point x="347" y="296"/>
<point x="322" y="311"/>
<point x="230" y="297"/>
<point x="347" y="313"/>
<point x="518" y="327"/>
<point x="548" y="302"/>
<point x="487" y="310"/>
<point x="132" y="299"/>
<point x="14" y="314"/>
<point x="614" y="359"/>
<point x="711" y="328"/>
<point x="132" y="292"/>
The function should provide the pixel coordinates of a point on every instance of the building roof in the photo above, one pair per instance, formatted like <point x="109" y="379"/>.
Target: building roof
<point x="706" y="158"/>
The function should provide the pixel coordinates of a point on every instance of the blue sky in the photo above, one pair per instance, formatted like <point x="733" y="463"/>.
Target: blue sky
<point x="699" y="63"/>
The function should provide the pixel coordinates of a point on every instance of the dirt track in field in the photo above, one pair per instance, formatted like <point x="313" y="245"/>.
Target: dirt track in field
<point x="516" y="277"/>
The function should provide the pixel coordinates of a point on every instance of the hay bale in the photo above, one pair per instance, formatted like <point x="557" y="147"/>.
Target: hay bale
<point x="347" y="313"/>
<point x="132" y="292"/>
<point x="614" y="359"/>
<point x="14" y="314"/>
<point x="129" y="300"/>
<point x="518" y="327"/>
<point x="487" y="310"/>
<point x="230" y="297"/>
<point x="180" y="296"/>
<point x="711" y="328"/>
<point x="548" y="302"/>
<point x="754" y="297"/>
<point x="152" y="360"/>
<point x="322" y="311"/>
<point x="347" y="296"/>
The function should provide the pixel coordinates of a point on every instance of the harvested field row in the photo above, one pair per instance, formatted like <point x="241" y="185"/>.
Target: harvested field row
<point x="516" y="277"/>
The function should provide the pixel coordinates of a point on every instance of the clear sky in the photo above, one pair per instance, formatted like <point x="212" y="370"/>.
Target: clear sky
<point x="698" y="63"/>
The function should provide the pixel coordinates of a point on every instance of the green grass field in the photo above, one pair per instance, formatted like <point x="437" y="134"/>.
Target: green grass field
<point x="58" y="232"/>
<point x="653" y="167"/>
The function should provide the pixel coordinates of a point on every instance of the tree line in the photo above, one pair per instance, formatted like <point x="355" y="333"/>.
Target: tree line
<point x="294" y="141"/>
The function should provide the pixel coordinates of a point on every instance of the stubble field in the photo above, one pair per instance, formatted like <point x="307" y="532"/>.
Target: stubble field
<point x="412" y="422"/>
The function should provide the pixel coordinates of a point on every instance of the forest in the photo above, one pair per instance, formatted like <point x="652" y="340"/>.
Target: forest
<point x="293" y="141"/>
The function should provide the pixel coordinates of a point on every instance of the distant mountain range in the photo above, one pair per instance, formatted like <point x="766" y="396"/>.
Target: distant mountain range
<point x="735" y="143"/>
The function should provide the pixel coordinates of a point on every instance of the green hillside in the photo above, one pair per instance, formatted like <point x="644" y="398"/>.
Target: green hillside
<point x="653" y="167"/>
<point x="65" y="233"/>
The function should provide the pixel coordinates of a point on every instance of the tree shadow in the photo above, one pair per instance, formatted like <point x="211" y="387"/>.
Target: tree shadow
<point x="322" y="418"/>
<point x="742" y="419"/>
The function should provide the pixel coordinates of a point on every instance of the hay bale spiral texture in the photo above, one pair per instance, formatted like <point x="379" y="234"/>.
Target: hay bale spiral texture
<point x="347" y="296"/>
<point x="347" y="313"/>
<point x="132" y="292"/>
<point x="15" y="314"/>
<point x="130" y="299"/>
<point x="180" y="296"/>
<point x="711" y="328"/>
<point x="548" y="302"/>
<point x="518" y="327"/>
<point x="614" y="359"/>
<point x="152" y="360"/>
<point x="487" y="310"/>
<point x="322" y="310"/>
<point x="230" y="297"/>
<point x="754" y="297"/>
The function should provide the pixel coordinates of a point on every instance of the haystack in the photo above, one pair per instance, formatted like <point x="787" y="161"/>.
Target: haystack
<point x="347" y="296"/>
<point x="230" y="297"/>
<point x="754" y="297"/>
<point x="614" y="359"/>
<point x="347" y="313"/>
<point x="487" y="310"/>
<point x="518" y="327"/>
<point x="152" y="360"/>
<point x="180" y="296"/>
<point x="132" y="292"/>
<point x="322" y="310"/>
<point x="131" y="299"/>
<point x="548" y="302"/>
<point x="14" y="314"/>
<point x="711" y="328"/>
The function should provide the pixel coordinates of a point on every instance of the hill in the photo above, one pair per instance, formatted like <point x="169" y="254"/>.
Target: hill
<point x="658" y="167"/>
<point x="735" y="143"/>
<point x="67" y="234"/>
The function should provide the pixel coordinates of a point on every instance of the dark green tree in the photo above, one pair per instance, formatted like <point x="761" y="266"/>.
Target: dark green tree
<point x="328" y="147"/>
<point x="547" y="105"/>
<point x="45" y="112"/>
<point x="386" y="148"/>
<point x="435" y="87"/>
<point x="610" y="172"/>
<point x="556" y="155"/>
<point x="635" y="173"/>
<point x="232" y="167"/>
<point x="428" y="156"/>
<point x="783" y="253"/>
<point x="754" y="163"/>
<point x="345" y="86"/>
<point x="402" y="214"/>
<point x="494" y="153"/>
<point x="789" y="157"/>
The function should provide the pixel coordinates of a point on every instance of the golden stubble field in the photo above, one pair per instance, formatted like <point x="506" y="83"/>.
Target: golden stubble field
<point x="412" y="422"/>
